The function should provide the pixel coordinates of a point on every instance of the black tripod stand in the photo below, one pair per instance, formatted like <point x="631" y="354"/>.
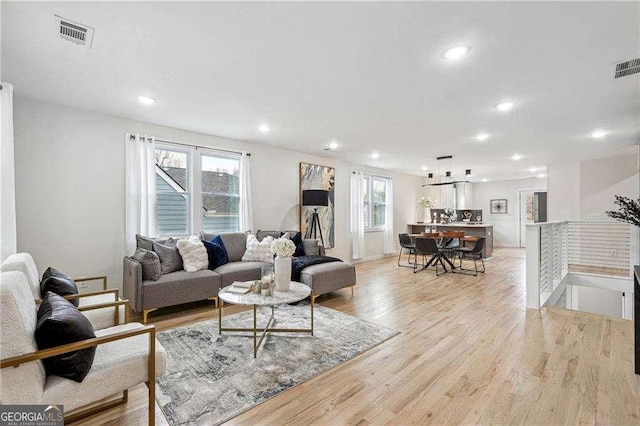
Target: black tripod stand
<point x="315" y="227"/>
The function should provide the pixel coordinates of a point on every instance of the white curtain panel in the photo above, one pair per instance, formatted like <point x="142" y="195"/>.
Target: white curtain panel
<point x="141" y="196"/>
<point x="389" y="240"/>
<point x="357" y="215"/>
<point x="7" y="177"/>
<point x="246" y="209"/>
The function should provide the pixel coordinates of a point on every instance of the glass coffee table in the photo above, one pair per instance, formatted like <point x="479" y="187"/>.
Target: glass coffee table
<point x="297" y="292"/>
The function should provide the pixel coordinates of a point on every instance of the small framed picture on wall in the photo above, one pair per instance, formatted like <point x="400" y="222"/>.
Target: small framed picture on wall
<point x="499" y="206"/>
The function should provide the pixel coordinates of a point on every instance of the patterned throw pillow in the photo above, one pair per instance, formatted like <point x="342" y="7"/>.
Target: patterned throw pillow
<point x="258" y="251"/>
<point x="194" y="255"/>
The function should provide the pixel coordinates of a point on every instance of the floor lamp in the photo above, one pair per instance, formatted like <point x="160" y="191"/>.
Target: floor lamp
<point x="315" y="198"/>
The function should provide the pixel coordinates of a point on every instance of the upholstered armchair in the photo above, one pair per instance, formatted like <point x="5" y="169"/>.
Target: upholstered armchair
<point x="126" y="355"/>
<point x="91" y="303"/>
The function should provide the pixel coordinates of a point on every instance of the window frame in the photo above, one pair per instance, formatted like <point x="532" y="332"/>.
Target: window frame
<point x="193" y="179"/>
<point x="368" y="182"/>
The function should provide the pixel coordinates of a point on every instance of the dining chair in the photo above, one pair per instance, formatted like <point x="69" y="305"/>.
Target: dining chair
<point x="474" y="253"/>
<point x="407" y="244"/>
<point x="428" y="247"/>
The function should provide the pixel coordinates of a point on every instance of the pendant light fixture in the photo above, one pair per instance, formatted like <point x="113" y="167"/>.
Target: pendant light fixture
<point x="447" y="173"/>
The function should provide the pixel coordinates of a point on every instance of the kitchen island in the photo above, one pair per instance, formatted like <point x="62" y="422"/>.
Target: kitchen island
<point x="470" y="229"/>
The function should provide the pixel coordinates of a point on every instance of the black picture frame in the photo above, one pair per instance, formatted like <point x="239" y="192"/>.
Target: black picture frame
<point x="499" y="206"/>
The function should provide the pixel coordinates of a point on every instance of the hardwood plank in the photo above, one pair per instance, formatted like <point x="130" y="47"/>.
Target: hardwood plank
<point x="468" y="353"/>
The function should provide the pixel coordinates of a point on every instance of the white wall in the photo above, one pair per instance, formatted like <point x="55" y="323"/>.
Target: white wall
<point x="8" y="237"/>
<point x="506" y="227"/>
<point x="70" y="187"/>
<point x="602" y="179"/>
<point x="563" y="198"/>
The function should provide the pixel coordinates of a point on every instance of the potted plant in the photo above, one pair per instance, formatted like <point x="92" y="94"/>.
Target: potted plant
<point x="629" y="210"/>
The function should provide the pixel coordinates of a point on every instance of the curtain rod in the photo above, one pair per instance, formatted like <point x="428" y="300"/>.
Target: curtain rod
<point x="201" y="147"/>
<point x="132" y="136"/>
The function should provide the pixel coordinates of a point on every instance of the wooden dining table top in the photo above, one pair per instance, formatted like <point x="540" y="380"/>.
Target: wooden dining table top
<point x="446" y="234"/>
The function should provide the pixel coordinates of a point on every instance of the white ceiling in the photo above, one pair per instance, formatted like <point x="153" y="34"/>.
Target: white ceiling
<point x="368" y="75"/>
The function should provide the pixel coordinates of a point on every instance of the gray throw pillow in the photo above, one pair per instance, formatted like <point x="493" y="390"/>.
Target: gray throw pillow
<point x="170" y="260"/>
<point x="150" y="262"/>
<point x="146" y="243"/>
<point x="311" y="247"/>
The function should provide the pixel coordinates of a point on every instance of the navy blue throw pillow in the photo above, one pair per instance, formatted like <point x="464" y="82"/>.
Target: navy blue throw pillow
<point x="216" y="252"/>
<point x="297" y="240"/>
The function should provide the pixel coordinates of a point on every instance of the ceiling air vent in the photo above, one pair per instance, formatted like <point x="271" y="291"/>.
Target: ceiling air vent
<point x="74" y="32"/>
<point x="623" y="69"/>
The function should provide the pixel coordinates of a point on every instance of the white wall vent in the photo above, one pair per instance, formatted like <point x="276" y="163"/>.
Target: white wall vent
<point x="625" y="68"/>
<point x="74" y="32"/>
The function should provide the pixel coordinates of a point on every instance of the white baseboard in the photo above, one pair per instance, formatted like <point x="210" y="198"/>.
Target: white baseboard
<point x="374" y="257"/>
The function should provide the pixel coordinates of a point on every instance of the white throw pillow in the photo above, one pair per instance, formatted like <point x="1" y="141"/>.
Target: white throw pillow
<point x="258" y="251"/>
<point x="193" y="253"/>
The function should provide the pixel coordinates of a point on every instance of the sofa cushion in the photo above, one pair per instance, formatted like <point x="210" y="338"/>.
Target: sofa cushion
<point x="258" y="251"/>
<point x="150" y="263"/>
<point x="327" y="277"/>
<point x="193" y="254"/>
<point x="234" y="242"/>
<point x="216" y="252"/>
<point x="239" y="271"/>
<point x="60" y="323"/>
<point x="58" y="283"/>
<point x="180" y="287"/>
<point x="170" y="260"/>
<point x="146" y="243"/>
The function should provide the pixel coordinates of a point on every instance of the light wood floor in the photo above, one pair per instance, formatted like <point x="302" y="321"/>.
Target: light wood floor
<point x="469" y="352"/>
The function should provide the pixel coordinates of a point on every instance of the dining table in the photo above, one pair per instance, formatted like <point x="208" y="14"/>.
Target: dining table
<point x="444" y="238"/>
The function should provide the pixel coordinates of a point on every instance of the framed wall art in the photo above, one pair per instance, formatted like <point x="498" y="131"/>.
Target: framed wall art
<point x="499" y="206"/>
<point x="316" y="177"/>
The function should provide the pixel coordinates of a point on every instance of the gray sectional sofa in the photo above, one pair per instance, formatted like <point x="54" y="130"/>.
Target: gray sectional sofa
<point x="183" y="287"/>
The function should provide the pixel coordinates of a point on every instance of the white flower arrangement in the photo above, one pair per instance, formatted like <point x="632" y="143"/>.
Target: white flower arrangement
<point x="425" y="202"/>
<point x="448" y="212"/>
<point x="283" y="247"/>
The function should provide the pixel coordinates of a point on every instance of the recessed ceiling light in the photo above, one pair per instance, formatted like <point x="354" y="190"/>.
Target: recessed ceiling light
<point x="599" y="134"/>
<point x="146" y="100"/>
<point x="482" y="137"/>
<point x="375" y="155"/>
<point x="455" y="52"/>
<point x="516" y="157"/>
<point x="541" y="175"/>
<point x="485" y="180"/>
<point x="333" y="145"/>
<point x="264" y="128"/>
<point x="505" y="106"/>
<point x="424" y="168"/>
<point x="533" y="169"/>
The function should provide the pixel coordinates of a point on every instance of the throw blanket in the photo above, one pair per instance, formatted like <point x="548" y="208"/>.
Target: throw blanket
<point x="299" y="263"/>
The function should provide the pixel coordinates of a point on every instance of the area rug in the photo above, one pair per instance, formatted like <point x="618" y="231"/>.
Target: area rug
<point x="212" y="378"/>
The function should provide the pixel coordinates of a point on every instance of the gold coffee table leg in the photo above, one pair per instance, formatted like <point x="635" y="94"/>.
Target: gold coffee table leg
<point x="220" y="316"/>
<point x="255" y="346"/>
<point x="312" y="303"/>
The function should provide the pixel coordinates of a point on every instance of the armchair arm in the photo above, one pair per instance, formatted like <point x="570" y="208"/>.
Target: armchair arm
<point x="115" y="291"/>
<point x="103" y="278"/>
<point x="115" y="304"/>
<point x="132" y="282"/>
<point x="87" y="343"/>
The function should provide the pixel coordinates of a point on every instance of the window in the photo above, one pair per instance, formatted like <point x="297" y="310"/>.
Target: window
<point x="172" y="177"/>
<point x="375" y="202"/>
<point x="191" y="180"/>
<point x="220" y="193"/>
